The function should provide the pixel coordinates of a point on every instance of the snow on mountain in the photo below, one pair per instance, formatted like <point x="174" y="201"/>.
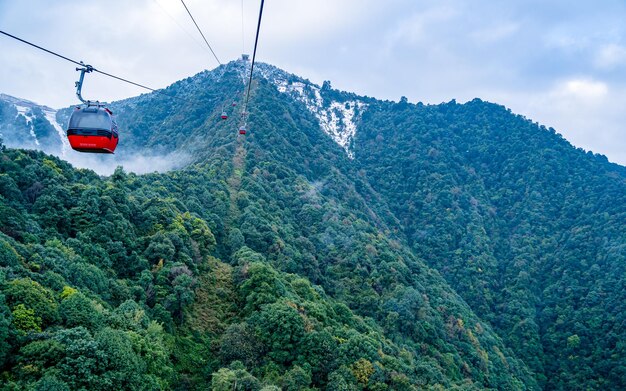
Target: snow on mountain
<point x="51" y="116"/>
<point x="336" y="112"/>
<point x="33" y="116"/>
<point x="336" y="118"/>
<point x="25" y="111"/>
<point x="338" y="122"/>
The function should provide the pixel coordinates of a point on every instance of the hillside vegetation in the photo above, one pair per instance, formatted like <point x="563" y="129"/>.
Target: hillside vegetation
<point x="528" y="230"/>
<point x="455" y="247"/>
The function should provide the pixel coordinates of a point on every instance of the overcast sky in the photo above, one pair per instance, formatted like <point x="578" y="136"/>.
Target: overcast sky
<point x="561" y="63"/>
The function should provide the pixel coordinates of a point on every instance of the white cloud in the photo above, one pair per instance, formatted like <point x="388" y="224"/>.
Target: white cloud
<point x="495" y="33"/>
<point x="565" y="41"/>
<point x="418" y="26"/>
<point x="610" y="56"/>
<point x="137" y="163"/>
<point x="293" y="21"/>
<point x="582" y="90"/>
<point x="586" y="112"/>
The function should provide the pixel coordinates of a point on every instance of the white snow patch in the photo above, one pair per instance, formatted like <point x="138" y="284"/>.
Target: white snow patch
<point x="339" y="122"/>
<point x="282" y="86"/>
<point x="22" y="110"/>
<point x="51" y="116"/>
<point x="337" y="119"/>
<point x="318" y="97"/>
<point x="28" y="115"/>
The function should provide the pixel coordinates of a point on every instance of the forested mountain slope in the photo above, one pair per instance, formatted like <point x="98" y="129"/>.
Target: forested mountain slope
<point x="28" y="125"/>
<point x="263" y="263"/>
<point x="334" y="246"/>
<point x="528" y="229"/>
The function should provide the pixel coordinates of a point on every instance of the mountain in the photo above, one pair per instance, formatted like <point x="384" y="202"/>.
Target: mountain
<point x="26" y="124"/>
<point x="527" y="229"/>
<point x="343" y="243"/>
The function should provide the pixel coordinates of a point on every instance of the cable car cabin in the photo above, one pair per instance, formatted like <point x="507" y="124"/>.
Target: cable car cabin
<point x="93" y="129"/>
<point x="234" y="103"/>
<point x="242" y="130"/>
<point x="224" y="115"/>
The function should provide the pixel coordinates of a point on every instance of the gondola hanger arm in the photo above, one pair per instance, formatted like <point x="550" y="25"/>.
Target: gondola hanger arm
<point x="79" y="85"/>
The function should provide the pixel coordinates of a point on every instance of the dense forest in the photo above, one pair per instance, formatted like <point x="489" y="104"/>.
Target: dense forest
<point x="526" y="228"/>
<point x="460" y="247"/>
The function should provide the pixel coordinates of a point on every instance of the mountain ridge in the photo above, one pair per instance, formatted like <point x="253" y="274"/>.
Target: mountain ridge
<point x="509" y="213"/>
<point x="337" y="111"/>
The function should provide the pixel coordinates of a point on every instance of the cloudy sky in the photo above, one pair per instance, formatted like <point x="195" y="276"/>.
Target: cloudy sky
<point x="561" y="63"/>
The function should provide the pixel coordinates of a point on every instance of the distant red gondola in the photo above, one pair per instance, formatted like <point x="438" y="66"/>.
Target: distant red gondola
<point x="224" y="115"/>
<point x="242" y="130"/>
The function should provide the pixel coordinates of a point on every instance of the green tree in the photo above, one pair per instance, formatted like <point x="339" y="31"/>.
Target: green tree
<point x="77" y="310"/>
<point x="296" y="379"/>
<point x="51" y="383"/>
<point x="281" y="329"/>
<point x="239" y="343"/>
<point x="34" y="297"/>
<point x="362" y="370"/>
<point x="5" y="327"/>
<point x="235" y="377"/>
<point x="182" y="296"/>
<point x="24" y="319"/>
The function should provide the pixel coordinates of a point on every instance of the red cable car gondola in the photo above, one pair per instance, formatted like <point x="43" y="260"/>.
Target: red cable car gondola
<point x="93" y="129"/>
<point x="224" y="115"/>
<point x="242" y="130"/>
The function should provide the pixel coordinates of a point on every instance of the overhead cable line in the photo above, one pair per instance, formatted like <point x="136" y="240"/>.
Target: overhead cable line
<point x="81" y="64"/>
<point x="256" y="41"/>
<point x="203" y="37"/>
<point x="243" y="40"/>
<point x="243" y="50"/>
<point x="180" y="27"/>
<point x="40" y="48"/>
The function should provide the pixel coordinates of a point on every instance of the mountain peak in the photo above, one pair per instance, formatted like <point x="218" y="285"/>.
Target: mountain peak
<point x="336" y="112"/>
<point x="28" y="124"/>
<point x="23" y="102"/>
